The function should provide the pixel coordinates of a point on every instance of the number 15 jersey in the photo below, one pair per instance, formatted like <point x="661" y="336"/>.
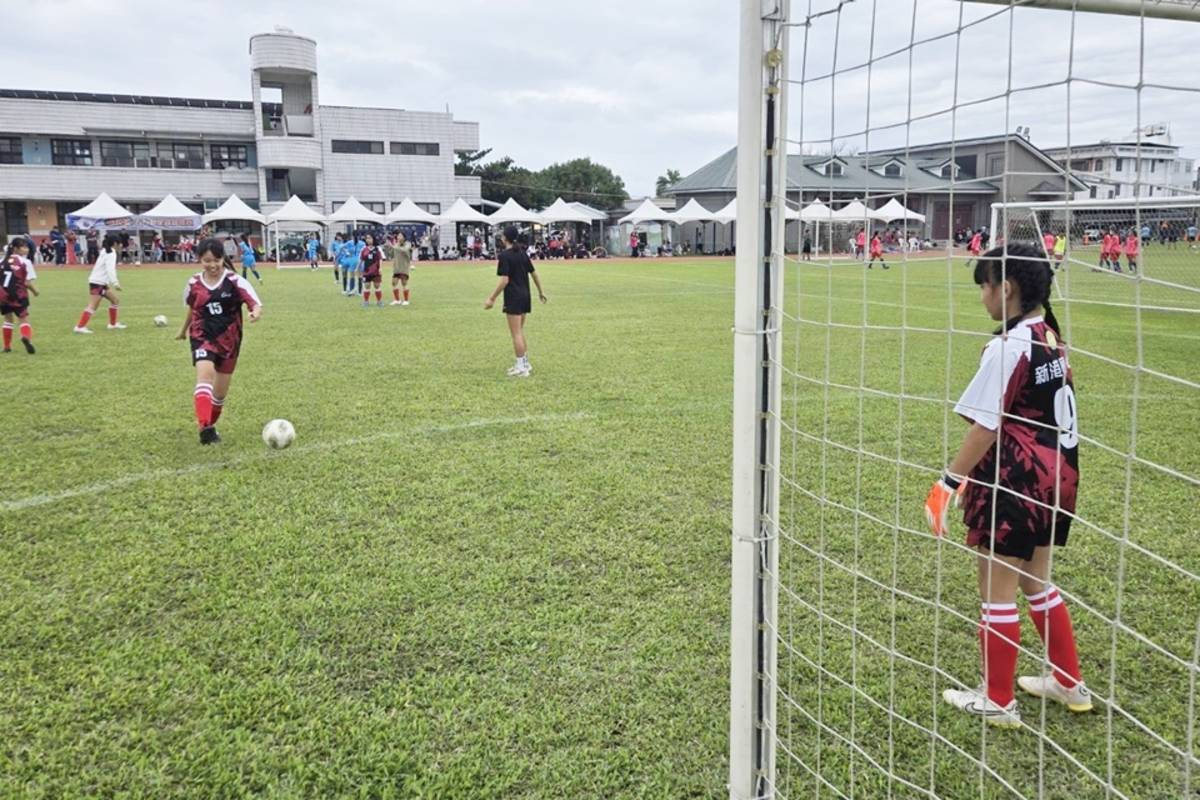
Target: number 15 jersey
<point x="1024" y="380"/>
<point x="217" y="311"/>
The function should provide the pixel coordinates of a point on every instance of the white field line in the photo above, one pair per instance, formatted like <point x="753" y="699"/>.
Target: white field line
<point x="102" y="487"/>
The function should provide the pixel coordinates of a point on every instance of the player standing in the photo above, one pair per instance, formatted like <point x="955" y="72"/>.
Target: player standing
<point x="876" y="252"/>
<point x="401" y="264"/>
<point x="348" y="255"/>
<point x="17" y="277"/>
<point x="312" y="246"/>
<point x="1131" y="249"/>
<point x="1021" y="406"/>
<point x="1060" y="249"/>
<point x="514" y="268"/>
<point x="214" y="298"/>
<point x="860" y="244"/>
<point x="335" y="248"/>
<point x="249" y="259"/>
<point x="103" y="283"/>
<point x="372" y="260"/>
<point x="1048" y="243"/>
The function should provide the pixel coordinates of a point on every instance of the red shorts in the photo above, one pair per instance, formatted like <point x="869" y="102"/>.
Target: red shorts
<point x="20" y="310"/>
<point x="224" y="362"/>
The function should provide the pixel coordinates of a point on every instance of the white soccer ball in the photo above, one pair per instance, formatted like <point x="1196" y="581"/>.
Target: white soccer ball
<point x="278" y="434"/>
<point x="160" y="321"/>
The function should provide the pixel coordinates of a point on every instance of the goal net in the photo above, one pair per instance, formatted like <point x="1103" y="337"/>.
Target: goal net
<point x="910" y="135"/>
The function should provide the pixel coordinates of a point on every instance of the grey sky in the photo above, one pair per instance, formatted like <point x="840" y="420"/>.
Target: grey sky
<point x="640" y="86"/>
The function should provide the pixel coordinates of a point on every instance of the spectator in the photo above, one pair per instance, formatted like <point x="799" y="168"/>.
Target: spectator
<point x="58" y="243"/>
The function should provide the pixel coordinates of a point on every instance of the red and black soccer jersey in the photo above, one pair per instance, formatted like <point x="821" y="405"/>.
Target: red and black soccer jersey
<point x="217" y="312"/>
<point x="371" y="258"/>
<point x="1024" y="380"/>
<point x="15" y="274"/>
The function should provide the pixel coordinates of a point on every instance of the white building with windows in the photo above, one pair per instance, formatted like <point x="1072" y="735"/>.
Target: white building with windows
<point x="1127" y="168"/>
<point x="59" y="150"/>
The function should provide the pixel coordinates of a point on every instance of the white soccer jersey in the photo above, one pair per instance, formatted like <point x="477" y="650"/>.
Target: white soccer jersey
<point x="104" y="272"/>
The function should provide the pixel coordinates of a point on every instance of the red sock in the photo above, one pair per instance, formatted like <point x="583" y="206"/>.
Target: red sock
<point x="406" y="294"/>
<point x="379" y="295"/>
<point x="84" y="318"/>
<point x="396" y="294"/>
<point x="999" y="635"/>
<point x="366" y="295"/>
<point x="8" y="336"/>
<point x="1053" y="622"/>
<point x="218" y="404"/>
<point x="112" y="315"/>
<point x="26" y="330"/>
<point x="204" y="404"/>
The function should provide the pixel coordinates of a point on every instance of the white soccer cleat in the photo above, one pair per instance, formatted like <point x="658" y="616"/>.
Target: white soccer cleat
<point x="1077" y="698"/>
<point x="396" y="303"/>
<point x="977" y="703"/>
<point x="403" y="302"/>
<point x="119" y="326"/>
<point x="78" y="329"/>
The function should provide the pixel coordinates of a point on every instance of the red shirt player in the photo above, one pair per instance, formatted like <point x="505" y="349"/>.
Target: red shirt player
<point x="371" y="258"/>
<point x="1131" y="250"/>
<point x="1048" y="243"/>
<point x="214" y="298"/>
<point x="976" y="244"/>
<point x="1021" y="406"/>
<point x="876" y="252"/>
<point x="17" y="277"/>
<point x="860" y="243"/>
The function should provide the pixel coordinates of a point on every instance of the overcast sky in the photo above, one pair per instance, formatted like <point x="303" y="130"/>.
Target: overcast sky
<point x="640" y="86"/>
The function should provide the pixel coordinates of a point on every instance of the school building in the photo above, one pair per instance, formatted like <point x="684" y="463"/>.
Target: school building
<point x="59" y="150"/>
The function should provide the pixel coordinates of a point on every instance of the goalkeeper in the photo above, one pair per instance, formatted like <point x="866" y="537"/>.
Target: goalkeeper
<point x="1017" y="474"/>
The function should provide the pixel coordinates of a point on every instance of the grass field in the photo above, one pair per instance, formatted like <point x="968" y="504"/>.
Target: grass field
<point x="458" y="585"/>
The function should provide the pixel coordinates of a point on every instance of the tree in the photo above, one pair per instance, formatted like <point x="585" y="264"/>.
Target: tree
<point x="468" y="161"/>
<point x="582" y="180"/>
<point x="665" y="182"/>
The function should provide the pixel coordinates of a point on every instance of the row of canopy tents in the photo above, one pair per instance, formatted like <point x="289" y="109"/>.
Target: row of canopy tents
<point x="816" y="211"/>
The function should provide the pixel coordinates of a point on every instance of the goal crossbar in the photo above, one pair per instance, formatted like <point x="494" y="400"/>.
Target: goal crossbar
<point x="1186" y="10"/>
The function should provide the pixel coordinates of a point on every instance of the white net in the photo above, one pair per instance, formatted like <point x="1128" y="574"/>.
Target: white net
<point x="919" y="102"/>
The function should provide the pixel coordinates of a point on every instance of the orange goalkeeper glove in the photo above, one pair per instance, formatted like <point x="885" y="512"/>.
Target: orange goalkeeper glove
<point x="945" y="492"/>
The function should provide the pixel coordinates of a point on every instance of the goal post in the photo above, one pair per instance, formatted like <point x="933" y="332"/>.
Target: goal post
<point x="848" y="619"/>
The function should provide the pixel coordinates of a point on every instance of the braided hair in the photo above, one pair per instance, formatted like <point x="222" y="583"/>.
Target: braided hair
<point x="1025" y="265"/>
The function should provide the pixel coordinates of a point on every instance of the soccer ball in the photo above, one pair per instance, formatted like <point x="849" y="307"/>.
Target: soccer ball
<point x="160" y="321"/>
<point x="278" y="434"/>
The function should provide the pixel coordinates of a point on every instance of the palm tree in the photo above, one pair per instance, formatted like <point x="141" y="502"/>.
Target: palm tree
<point x="664" y="182"/>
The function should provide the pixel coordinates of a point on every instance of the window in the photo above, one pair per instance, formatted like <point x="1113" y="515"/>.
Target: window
<point x="378" y="208"/>
<point x="357" y="146"/>
<point x="1120" y="163"/>
<point x="1116" y="191"/>
<point x="180" y="155"/>
<point x="432" y="208"/>
<point x="949" y="170"/>
<point x="1092" y="193"/>
<point x="10" y="150"/>
<point x="995" y="165"/>
<point x="71" y="152"/>
<point x="15" y="220"/>
<point x="124" y="154"/>
<point x="892" y="170"/>
<point x="1081" y="165"/>
<point x="230" y="156"/>
<point x="416" y="148"/>
<point x="1152" y="163"/>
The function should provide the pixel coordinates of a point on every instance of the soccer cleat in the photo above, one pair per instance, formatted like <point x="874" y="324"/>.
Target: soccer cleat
<point x="118" y="326"/>
<point x="1077" y="698"/>
<point x="977" y="703"/>
<point x="366" y="304"/>
<point x="209" y="435"/>
<point x="29" y="348"/>
<point x="78" y="329"/>
<point x="396" y="303"/>
<point x="403" y="302"/>
<point x="7" y="350"/>
<point x="379" y="303"/>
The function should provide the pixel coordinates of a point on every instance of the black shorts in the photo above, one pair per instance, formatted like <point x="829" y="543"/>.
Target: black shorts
<point x="371" y="277"/>
<point x="518" y="304"/>
<point x="20" y="309"/>
<point x="1021" y="543"/>
<point x="225" y="362"/>
<point x="98" y="289"/>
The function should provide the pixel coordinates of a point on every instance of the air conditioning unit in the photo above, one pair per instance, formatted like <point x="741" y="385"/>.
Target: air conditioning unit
<point x="143" y="163"/>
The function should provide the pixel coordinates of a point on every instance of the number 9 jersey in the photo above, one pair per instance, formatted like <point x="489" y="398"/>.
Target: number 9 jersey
<point x="216" y="327"/>
<point x="1024" y="388"/>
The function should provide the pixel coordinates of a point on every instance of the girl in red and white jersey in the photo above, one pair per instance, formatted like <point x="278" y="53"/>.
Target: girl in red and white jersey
<point x="17" y="281"/>
<point x="371" y="259"/>
<point x="1017" y="474"/>
<point x="103" y="284"/>
<point x="214" y="298"/>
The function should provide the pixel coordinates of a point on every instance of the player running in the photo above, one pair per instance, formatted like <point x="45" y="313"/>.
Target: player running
<point x="17" y="280"/>
<point x="976" y="244"/>
<point x="311" y="247"/>
<point x="1021" y="406"/>
<point x="249" y="259"/>
<point x="514" y="269"/>
<point x="103" y="284"/>
<point x="876" y="251"/>
<point x="401" y="265"/>
<point x="214" y="298"/>
<point x="1131" y="249"/>
<point x="372" y="261"/>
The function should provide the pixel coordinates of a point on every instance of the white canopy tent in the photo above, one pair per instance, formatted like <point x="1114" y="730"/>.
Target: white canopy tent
<point x="234" y="209"/>
<point x="512" y="211"/>
<point x="595" y="214"/>
<point x="647" y="212"/>
<point x="727" y="213"/>
<point x="294" y="210"/>
<point x="562" y="211"/>
<point x="855" y="211"/>
<point x="693" y="212"/>
<point x="171" y="215"/>
<point x="894" y="210"/>
<point x="104" y="213"/>
<point x="353" y="211"/>
<point x="817" y="212"/>
<point x="408" y="211"/>
<point x="459" y="211"/>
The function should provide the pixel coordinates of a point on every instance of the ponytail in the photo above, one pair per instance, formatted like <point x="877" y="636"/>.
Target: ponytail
<point x="1026" y="265"/>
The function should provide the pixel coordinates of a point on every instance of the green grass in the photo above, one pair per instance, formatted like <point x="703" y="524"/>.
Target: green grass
<point x="457" y="585"/>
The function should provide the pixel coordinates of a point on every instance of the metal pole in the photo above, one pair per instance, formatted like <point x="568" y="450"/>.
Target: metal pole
<point x="1187" y="10"/>
<point x="761" y="178"/>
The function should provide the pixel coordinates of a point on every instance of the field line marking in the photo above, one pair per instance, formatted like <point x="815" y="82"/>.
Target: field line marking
<point x="33" y="501"/>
